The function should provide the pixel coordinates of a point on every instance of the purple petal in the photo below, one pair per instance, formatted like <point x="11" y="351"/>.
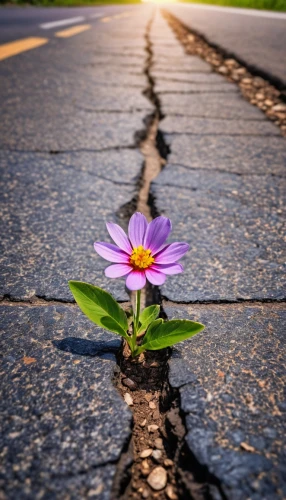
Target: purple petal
<point x="136" y="229"/>
<point x="155" y="277"/>
<point x="136" y="280"/>
<point x="111" y="252"/>
<point x="157" y="232"/>
<point x="171" y="253"/>
<point x="168" y="268"/>
<point x="119" y="236"/>
<point x="117" y="270"/>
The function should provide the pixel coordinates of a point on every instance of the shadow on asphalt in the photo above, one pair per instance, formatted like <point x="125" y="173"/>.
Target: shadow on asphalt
<point x="84" y="347"/>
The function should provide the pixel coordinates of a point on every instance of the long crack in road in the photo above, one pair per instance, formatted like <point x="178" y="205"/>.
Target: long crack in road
<point x="103" y="113"/>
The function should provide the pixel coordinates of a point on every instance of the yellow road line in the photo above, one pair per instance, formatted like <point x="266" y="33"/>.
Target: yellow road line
<point x="75" y="30"/>
<point x="14" y="48"/>
<point x="116" y="16"/>
<point x="120" y="16"/>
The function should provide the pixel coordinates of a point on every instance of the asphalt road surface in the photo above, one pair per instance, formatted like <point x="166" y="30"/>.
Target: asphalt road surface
<point x="256" y="37"/>
<point x="75" y="105"/>
<point x="36" y="21"/>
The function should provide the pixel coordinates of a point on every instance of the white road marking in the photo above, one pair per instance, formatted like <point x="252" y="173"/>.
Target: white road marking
<point x="93" y="16"/>
<point x="62" y="22"/>
<point x="233" y="10"/>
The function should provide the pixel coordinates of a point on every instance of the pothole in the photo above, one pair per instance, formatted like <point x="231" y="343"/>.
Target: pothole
<point x="258" y="91"/>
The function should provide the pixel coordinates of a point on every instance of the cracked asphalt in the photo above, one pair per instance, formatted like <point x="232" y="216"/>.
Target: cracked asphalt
<point x="73" y="113"/>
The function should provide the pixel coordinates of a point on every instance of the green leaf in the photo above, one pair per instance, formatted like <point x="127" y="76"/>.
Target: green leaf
<point x="147" y="316"/>
<point x="165" y="334"/>
<point x="100" y="307"/>
<point x="110" y="324"/>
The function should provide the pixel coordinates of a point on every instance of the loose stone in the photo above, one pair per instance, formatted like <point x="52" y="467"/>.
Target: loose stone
<point x="159" y="444"/>
<point x="128" y="399"/>
<point x="170" y="493"/>
<point x="146" y="453"/>
<point x="279" y="108"/>
<point x="157" y="479"/>
<point x="129" y="383"/>
<point x="145" y="468"/>
<point x="148" y="397"/>
<point x="223" y="70"/>
<point x="154" y="364"/>
<point x="143" y="423"/>
<point x="157" y="455"/>
<point x="152" y="428"/>
<point x="152" y="405"/>
<point x="168" y="462"/>
<point x="145" y="494"/>
<point x="247" y="447"/>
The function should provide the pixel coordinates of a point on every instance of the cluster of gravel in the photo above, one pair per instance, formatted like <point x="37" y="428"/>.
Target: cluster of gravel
<point x="255" y="89"/>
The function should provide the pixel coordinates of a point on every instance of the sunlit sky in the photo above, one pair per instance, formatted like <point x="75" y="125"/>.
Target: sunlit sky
<point x="158" y="1"/>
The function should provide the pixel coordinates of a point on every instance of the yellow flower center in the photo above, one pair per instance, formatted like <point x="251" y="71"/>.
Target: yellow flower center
<point x="141" y="258"/>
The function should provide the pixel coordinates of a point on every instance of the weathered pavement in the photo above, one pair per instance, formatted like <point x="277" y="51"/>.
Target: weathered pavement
<point x="223" y="187"/>
<point x="70" y="160"/>
<point x="256" y="37"/>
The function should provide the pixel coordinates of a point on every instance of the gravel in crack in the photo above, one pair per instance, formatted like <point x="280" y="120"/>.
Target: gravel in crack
<point x="153" y="470"/>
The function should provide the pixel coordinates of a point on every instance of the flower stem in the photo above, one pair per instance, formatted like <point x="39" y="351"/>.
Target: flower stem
<point x="136" y="320"/>
<point x="138" y="303"/>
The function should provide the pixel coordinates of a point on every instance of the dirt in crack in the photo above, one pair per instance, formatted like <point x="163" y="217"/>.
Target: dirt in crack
<point x="142" y="381"/>
<point x="141" y="385"/>
<point x="153" y="166"/>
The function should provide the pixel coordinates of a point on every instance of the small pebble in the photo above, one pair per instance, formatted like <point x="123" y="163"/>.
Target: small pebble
<point x="230" y="62"/>
<point x="145" y="469"/>
<point x="157" y="479"/>
<point x="159" y="444"/>
<point x="223" y="70"/>
<point x="157" y="455"/>
<point x="246" y="81"/>
<point x="280" y="107"/>
<point x="152" y="405"/>
<point x="152" y="428"/>
<point x="148" y="397"/>
<point x="168" y="462"/>
<point x="145" y="494"/>
<point x="129" y="383"/>
<point x="170" y="493"/>
<point x="128" y="399"/>
<point x="143" y="423"/>
<point x="154" y="364"/>
<point x="268" y="102"/>
<point x="146" y="453"/>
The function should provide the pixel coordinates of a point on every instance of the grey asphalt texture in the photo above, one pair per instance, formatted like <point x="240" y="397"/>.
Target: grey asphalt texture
<point x="73" y="113"/>
<point x="257" y="40"/>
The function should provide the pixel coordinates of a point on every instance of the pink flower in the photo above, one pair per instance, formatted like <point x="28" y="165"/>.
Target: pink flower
<point x="142" y="254"/>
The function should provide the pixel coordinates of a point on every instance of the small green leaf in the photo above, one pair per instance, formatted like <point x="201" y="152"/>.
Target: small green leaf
<point x="110" y="324"/>
<point x="160" y="335"/>
<point x="147" y="316"/>
<point x="100" y="307"/>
